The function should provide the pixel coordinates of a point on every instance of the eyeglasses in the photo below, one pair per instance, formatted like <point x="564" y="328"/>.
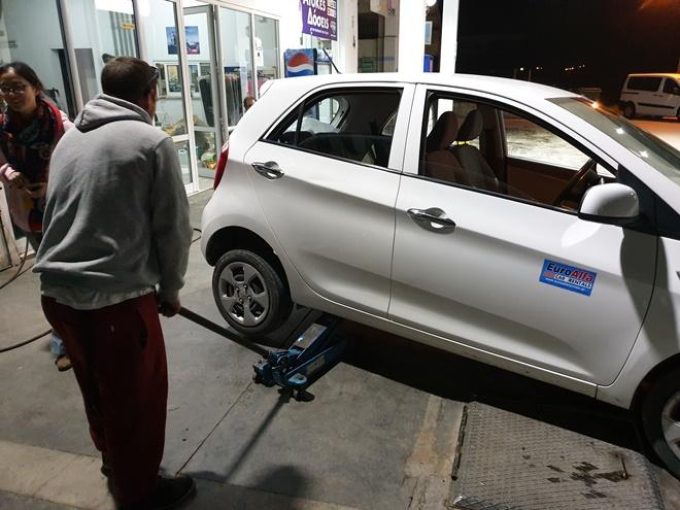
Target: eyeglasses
<point x="14" y="90"/>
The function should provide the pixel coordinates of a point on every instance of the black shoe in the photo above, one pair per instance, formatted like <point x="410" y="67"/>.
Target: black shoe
<point x="167" y="494"/>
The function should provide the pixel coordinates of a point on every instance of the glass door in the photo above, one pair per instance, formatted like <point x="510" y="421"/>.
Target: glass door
<point x="205" y="103"/>
<point x="163" y="41"/>
<point x="236" y="48"/>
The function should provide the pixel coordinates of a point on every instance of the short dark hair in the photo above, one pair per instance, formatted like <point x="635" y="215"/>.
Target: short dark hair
<point x="128" y="78"/>
<point x="25" y="71"/>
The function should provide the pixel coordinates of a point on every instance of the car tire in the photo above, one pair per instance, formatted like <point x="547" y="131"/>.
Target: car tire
<point x="660" y="420"/>
<point x="629" y="110"/>
<point x="250" y="294"/>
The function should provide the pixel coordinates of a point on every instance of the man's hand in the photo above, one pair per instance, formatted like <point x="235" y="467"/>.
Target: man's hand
<point x="168" y="309"/>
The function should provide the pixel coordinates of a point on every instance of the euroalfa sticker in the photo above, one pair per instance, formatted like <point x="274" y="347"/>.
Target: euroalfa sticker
<point x="568" y="277"/>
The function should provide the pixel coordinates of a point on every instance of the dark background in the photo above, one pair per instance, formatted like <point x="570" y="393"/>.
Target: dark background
<point x="603" y="40"/>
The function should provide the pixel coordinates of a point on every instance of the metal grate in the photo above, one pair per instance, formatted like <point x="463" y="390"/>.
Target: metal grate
<point x="509" y="462"/>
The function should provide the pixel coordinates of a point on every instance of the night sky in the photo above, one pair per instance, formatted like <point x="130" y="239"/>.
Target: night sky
<point x="609" y="38"/>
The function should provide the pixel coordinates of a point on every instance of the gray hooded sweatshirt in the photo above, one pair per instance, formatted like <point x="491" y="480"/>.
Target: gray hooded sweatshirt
<point x="116" y="224"/>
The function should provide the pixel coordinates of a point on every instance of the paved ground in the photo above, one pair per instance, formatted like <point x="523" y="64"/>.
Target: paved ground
<point x="666" y="129"/>
<point x="380" y="434"/>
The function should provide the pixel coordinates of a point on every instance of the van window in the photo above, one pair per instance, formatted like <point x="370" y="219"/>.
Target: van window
<point x="650" y="83"/>
<point x="671" y="87"/>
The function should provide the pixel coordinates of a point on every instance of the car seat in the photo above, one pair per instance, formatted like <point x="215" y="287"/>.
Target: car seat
<point x="440" y="162"/>
<point x="478" y="173"/>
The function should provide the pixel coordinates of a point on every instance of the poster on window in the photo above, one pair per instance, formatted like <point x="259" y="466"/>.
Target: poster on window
<point x="191" y="34"/>
<point x="320" y="18"/>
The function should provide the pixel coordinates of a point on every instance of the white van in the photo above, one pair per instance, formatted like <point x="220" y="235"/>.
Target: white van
<point x="654" y="94"/>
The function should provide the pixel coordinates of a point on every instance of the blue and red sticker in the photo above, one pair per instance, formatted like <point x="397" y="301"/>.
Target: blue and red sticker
<point x="567" y="277"/>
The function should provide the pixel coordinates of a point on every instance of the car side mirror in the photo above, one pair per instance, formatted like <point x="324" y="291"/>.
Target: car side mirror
<point x="612" y="203"/>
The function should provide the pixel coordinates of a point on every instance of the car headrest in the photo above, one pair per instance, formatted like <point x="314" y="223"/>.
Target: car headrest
<point x="471" y="128"/>
<point x="443" y="133"/>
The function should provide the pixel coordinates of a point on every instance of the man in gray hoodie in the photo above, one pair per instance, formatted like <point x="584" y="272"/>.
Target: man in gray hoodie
<point x="114" y="253"/>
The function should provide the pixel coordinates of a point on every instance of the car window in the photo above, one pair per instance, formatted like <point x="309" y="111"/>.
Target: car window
<point x="351" y="124"/>
<point x="648" y="83"/>
<point x="671" y="87"/>
<point x="661" y="156"/>
<point x="529" y="141"/>
<point x="490" y="149"/>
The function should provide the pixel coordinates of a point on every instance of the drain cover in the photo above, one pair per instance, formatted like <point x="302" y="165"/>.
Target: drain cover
<point x="509" y="462"/>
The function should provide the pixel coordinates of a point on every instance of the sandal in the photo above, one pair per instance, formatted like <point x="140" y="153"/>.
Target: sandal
<point x="63" y="363"/>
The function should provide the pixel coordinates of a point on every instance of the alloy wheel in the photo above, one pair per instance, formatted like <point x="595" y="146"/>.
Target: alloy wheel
<point x="243" y="294"/>
<point x="670" y="424"/>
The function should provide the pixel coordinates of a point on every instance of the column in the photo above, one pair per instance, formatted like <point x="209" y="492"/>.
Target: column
<point x="411" y="36"/>
<point x="449" y="46"/>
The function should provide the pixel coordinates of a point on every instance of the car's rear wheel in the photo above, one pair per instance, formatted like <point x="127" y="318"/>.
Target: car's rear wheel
<point x="250" y="294"/>
<point x="660" y="420"/>
<point x="629" y="110"/>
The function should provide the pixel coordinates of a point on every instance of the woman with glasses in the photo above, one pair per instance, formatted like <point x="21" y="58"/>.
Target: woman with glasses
<point x="30" y="127"/>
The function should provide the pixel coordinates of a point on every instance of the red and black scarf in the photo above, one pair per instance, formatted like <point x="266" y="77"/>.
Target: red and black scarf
<point x="28" y="148"/>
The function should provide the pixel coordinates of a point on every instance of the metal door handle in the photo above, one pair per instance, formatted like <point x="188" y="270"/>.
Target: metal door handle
<point x="433" y="219"/>
<point x="270" y="169"/>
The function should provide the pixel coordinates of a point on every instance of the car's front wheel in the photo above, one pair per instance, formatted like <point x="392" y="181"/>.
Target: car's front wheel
<point x="629" y="110"/>
<point x="660" y="420"/>
<point x="250" y="294"/>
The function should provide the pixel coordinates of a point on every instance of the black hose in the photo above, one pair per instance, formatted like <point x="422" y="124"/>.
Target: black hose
<point x="26" y="342"/>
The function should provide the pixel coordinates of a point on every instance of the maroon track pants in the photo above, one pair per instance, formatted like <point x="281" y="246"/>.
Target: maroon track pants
<point x="118" y="356"/>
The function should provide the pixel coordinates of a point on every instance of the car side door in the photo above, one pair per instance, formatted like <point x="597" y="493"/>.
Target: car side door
<point x="669" y="99"/>
<point x="327" y="176"/>
<point x="478" y="265"/>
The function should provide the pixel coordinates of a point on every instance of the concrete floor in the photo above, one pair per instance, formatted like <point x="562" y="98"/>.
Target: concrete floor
<point x="366" y="441"/>
<point x="380" y="434"/>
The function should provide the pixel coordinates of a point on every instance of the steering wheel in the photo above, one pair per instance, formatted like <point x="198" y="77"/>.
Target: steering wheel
<point x="574" y="181"/>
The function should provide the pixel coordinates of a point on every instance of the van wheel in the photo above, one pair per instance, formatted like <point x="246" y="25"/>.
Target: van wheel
<point x="249" y="293"/>
<point x="629" y="110"/>
<point x="660" y="420"/>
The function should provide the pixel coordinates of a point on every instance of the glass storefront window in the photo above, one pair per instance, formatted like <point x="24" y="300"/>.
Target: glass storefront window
<point x="161" y="44"/>
<point x="100" y="30"/>
<point x="37" y="41"/>
<point x="266" y="49"/>
<point x="235" y="32"/>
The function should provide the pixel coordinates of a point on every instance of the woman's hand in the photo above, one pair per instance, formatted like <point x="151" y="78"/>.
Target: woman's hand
<point x="16" y="179"/>
<point x="36" y="190"/>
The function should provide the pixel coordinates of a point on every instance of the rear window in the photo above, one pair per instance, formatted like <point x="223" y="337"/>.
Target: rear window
<point x="355" y="125"/>
<point x="648" y="83"/>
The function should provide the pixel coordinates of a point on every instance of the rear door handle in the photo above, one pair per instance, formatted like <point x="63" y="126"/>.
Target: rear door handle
<point x="270" y="169"/>
<point x="433" y="219"/>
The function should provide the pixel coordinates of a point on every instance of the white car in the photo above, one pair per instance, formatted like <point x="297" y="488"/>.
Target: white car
<point x="505" y="221"/>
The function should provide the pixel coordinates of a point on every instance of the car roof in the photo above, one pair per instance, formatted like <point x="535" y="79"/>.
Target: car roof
<point x="656" y="75"/>
<point x="507" y="87"/>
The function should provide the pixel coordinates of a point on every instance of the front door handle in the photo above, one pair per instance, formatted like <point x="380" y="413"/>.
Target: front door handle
<point x="433" y="219"/>
<point x="270" y="169"/>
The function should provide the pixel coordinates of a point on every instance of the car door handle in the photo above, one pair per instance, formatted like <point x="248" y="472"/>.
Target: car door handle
<point x="432" y="219"/>
<point x="270" y="169"/>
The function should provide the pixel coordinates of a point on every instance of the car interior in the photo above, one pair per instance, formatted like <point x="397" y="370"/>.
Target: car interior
<point x="480" y="146"/>
<point x="353" y="125"/>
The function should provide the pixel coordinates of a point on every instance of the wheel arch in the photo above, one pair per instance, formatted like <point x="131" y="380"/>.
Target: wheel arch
<point x="230" y="238"/>
<point x="652" y="376"/>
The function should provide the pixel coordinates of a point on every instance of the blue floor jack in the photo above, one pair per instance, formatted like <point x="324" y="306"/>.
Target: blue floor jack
<point x="314" y="352"/>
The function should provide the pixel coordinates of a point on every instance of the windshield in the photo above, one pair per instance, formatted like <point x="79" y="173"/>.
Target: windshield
<point x="656" y="152"/>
